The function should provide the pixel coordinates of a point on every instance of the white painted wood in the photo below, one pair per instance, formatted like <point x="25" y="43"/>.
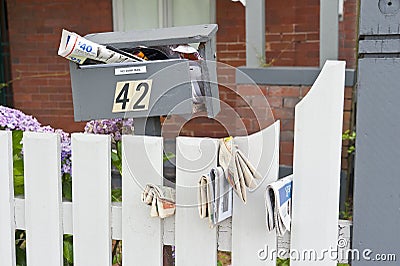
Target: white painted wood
<point x="116" y="220"/>
<point x="141" y="234"/>
<point x="249" y="232"/>
<point x="67" y="218"/>
<point x="7" y="225"/>
<point x="118" y="15"/>
<point x="43" y="203"/>
<point x="196" y="243"/>
<point x="224" y="229"/>
<point x="19" y="206"/>
<point x="225" y="235"/>
<point x="169" y="231"/>
<point x="316" y="167"/>
<point x="91" y="194"/>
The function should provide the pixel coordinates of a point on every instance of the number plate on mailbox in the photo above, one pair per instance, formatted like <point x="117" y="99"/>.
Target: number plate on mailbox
<point x="132" y="96"/>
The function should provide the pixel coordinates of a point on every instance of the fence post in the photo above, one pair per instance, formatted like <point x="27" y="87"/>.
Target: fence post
<point x="316" y="168"/>
<point x="7" y="223"/>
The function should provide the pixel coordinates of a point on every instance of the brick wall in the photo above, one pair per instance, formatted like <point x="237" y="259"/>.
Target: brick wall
<point x="292" y="33"/>
<point x="41" y="78"/>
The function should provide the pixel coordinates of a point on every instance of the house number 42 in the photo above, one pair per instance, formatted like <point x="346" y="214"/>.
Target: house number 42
<point x="132" y="96"/>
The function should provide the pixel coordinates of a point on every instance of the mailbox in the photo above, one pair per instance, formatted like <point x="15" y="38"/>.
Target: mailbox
<point x="149" y="88"/>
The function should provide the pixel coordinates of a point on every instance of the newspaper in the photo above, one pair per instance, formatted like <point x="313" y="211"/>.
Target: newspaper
<point x="214" y="197"/>
<point x="239" y="172"/>
<point x="278" y="198"/>
<point x="78" y="49"/>
<point x="161" y="199"/>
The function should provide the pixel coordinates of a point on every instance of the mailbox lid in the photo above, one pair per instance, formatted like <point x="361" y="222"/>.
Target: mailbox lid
<point x="156" y="37"/>
<point x="94" y="89"/>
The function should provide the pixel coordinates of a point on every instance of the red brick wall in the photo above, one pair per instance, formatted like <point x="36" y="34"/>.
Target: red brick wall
<point x="282" y="100"/>
<point x="292" y="33"/>
<point x="41" y="78"/>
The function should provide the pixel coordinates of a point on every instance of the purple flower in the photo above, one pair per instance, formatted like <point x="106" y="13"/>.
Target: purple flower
<point x="114" y="127"/>
<point x="12" y="119"/>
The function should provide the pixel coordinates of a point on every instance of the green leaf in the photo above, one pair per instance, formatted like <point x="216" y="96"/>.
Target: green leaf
<point x="119" y="148"/>
<point x="116" y="194"/>
<point x="18" y="185"/>
<point x="17" y="141"/>
<point x="19" y="180"/>
<point x="116" y="160"/>
<point x="282" y="262"/>
<point x="219" y="263"/>
<point x="167" y="156"/>
<point x="67" y="189"/>
<point x="21" y="256"/>
<point x="68" y="250"/>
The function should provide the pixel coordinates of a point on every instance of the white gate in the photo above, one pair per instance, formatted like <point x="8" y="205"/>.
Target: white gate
<point x="94" y="220"/>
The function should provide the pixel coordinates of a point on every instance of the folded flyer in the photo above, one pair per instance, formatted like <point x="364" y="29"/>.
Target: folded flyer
<point x="239" y="172"/>
<point x="214" y="197"/>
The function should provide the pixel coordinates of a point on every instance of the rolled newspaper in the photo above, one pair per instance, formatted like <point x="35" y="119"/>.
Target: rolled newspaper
<point x="161" y="199"/>
<point x="239" y="172"/>
<point x="214" y="197"/>
<point x="78" y="49"/>
<point x="278" y="198"/>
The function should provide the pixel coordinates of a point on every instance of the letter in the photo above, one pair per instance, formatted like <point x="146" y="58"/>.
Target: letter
<point x="366" y="254"/>
<point x="261" y="252"/>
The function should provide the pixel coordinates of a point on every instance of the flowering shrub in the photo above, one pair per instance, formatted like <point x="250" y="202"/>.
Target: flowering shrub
<point x="18" y="122"/>
<point x="114" y="127"/>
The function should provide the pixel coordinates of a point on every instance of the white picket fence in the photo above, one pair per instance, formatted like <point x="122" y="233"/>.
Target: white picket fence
<point x="94" y="220"/>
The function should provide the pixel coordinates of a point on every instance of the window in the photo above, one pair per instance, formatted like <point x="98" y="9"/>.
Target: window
<point x="148" y="14"/>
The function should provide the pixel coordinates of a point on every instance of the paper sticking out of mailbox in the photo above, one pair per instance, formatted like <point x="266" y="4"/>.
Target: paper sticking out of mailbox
<point x="78" y="50"/>
<point x="161" y="199"/>
<point x="278" y="199"/>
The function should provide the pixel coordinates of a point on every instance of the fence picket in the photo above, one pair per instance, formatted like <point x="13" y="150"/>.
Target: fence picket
<point x="196" y="243"/>
<point x="249" y="232"/>
<point x="316" y="168"/>
<point x="7" y="224"/>
<point x="43" y="203"/>
<point x="141" y="234"/>
<point x="91" y="195"/>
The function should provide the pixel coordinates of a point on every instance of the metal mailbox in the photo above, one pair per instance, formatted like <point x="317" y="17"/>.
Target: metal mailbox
<point x="149" y="88"/>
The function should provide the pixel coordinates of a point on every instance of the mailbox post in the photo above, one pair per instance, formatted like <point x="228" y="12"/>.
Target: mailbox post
<point x="376" y="193"/>
<point x="145" y="90"/>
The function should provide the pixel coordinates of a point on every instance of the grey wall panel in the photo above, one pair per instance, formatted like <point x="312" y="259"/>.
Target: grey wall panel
<point x="380" y="17"/>
<point x="377" y="178"/>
